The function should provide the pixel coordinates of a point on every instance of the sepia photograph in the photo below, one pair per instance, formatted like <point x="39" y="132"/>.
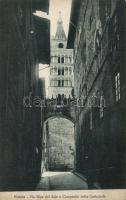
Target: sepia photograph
<point x="62" y="96"/>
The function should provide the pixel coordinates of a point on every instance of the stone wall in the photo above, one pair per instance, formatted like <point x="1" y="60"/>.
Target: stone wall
<point x="100" y="126"/>
<point x="20" y="127"/>
<point x="61" y="144"/>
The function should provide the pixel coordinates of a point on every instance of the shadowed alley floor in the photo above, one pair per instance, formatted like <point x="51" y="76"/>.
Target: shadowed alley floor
<point x="61" y="181"/>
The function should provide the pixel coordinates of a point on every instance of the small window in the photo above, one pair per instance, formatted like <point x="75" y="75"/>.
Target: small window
<point x="60" y="45"/>
<point x="62" y="83"/>
<point x="117" y="86"/>
<point x="63" y="71"/>
<point x="58" y="71"/>
<point x="58" y="83"/>
<point x="62" y="60"/>
<point x="58" y="59"/>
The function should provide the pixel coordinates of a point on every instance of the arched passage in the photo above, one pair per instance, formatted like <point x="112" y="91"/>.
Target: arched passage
<point x="59" y="144"/>
<point x="60" y="116"/>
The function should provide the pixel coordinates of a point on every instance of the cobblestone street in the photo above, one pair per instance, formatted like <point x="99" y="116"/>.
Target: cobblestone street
<point x="61" y="181"/>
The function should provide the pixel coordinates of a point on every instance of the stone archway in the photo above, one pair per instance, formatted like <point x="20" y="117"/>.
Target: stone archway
<point x="59" y="144"/>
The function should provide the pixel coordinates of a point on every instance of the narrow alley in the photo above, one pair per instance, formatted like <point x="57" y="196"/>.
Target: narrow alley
<point x="61" y="181"/>
<point x="62" y="95"/>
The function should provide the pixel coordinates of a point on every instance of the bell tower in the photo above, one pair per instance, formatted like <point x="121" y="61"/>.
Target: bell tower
<point x="61" y="66"/>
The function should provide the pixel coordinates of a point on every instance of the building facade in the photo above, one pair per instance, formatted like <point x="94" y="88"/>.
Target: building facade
<point x="100" y="85"/>
<point x="61" y="66"/>
<point x="20" y="126"/>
